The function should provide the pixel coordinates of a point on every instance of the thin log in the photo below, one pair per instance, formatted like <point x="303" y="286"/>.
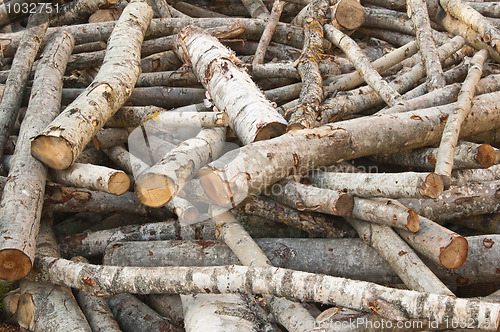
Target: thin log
<point x="156" y="186"/>
<point x="292" y="315"/>
<point x="390" y="185"/>
<point x="385" y="212"/>
<point x="468" y="200"/>
<point x="79" y="11"/>
<point x="109" y="137"/>
<point x="467" y="155"/>
<point x="362" y="64"/>
<point x="392" y="37"/>
<point x="465" y="13"/>
<point x="169" y="306"/>
<point x="268" y="32"/>
<point x="168" y="119"/>
<point x="185" y="211"/>
<point x="308" y="198"/>
<point x="294" y="284"/>
<point x="26" y="185"/>
<point x="409" y="267"/>
<point x="311" y="94"/>
<point x="19" y="73"/>
<point x="96" y="309"/>
<point x="60" y="143"/>
<point x="93" y="177"/>
<point x="245" y="104"/>
<point x="167" y="78"/>
<point x="134" y="315"/>
<point x="256" y="8"/>
<point x="437" y="243"/>
<point x="490" y="9"/>
<point x="316" y="224"/>
<point x="126" y="161"/>
<point x="451" y="132"/>
<point x="329" y="144"/>
<point x="461" y="178"/>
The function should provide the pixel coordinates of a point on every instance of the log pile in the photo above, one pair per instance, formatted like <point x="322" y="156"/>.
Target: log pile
<point x="286" y="165"/>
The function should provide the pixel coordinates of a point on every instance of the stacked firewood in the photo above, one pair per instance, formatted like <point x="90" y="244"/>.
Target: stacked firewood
<point x="299" y="165"/>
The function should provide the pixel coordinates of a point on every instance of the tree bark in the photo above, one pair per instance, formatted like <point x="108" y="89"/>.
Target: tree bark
<point x="462" y="178"/>
<point x="268" y="32"/>
<point x="451" y="132"/>
<point x="60" y="143"/>
<point x="390" y="185"/>
<point x="256" y="8"/>
<point x="387" y="302"/>
<point x="23" y="193"/>
<point x="251" y="116"/>
<point x="110" y="137"/>
<point x="79" y="11"/>
<point x="19" y="73"/>
<point x="326" y="145"/>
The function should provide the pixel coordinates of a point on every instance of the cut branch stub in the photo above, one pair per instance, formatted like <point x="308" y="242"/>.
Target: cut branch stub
<point x="251" y="115"/>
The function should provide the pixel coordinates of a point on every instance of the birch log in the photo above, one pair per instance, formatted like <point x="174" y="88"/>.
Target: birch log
<point x="239" y="173"/>
<point x="256" y="8"/>
<point x="62" y="141"/>
<point x="251" y="116"/>
<point x="168" y="306"/>
<point x="79" y="11"/>
<point x="93" y="177"/>
<point x="362" y="64"/>
<point x="451" y="132"/>
<point x="390" y="185"/>
<point x="309" y="198"/>
<point x="268" y="32"/>
<point x="465" y="13"/>
<point x="417" y="10"/>
<point x="409" y="267"/>
<point x="19" y="73"/>
<point x="464" y="176"/>
<point x="311" y="94"/>
<point x="389" y="302"/>
<point x="292" y="315"/>
<point x="109" y="137"/>
<point x="156" y="186"/>
<point x="467" y="155"/>
<point x="23" y="193"/>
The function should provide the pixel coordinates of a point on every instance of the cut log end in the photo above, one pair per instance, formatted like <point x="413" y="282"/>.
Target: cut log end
<point x="454" y="254"/>
<point x="53" y="151"/>
<point x="270" y="130"/>
<point x="190" y="215"/>
<point x="153" y="190"/>
<point x="413" y="224"/>
<point x="345" y="204"/>
<point x="350" y="14"/>
<point x="486" y="156"/>
<point x="118" y="183"/>
<point x="215" y="188"/>
<point x="14" y="264"/>
<point x="432" y="187"/>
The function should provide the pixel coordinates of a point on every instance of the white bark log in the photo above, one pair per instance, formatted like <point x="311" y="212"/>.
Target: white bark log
<point x="22" y="201"/>
<point x="62" y="141"/>
<point x="251" y="116"/>
<point x="109" y="137"/>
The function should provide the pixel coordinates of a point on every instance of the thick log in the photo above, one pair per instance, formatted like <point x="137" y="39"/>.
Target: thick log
<point x="60" y="143"/>
<point x="134" y="315"/>
<point x="251" y="116"/>
<point x="451" y="132"/>
<point x="308" y="198"/>
<point x="289" y="283"/>
<point x="23" y="193"/>
<point x="467" y="155"/>
<point x="405" y="262"/>
<point x="390" y="185"/>
<point x="326" y="145"/>
<point x="19" y="73"/>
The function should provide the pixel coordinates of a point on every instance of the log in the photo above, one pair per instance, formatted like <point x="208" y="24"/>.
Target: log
<point x="79" y="11"/>
<point x="308" y="198"/>
<point x="451" y="132"/>
<point x="251" y="116"/>
<point x="110" y="137"/>
<point x="490" y="9"/>
<point x="409" y="267"/>
<point x="126" y="161"/>
<point x="19" y="73"/>
<point x="256" y="8"/>
<point x="133" y="315"/>
<point x="60" y="143"/>
<point x="463" y="177"/>
<point x="23" y="193"/>
<point x="96" y="309"/>
<point x="385" y="212"/>
<point x="169" y="306"/>
<point x="326" y="145"/>
<point x="467" y="155"/>
<point x="289" y="283"/>
<point x="390" y="185"/>
<point x="268" y="32"/>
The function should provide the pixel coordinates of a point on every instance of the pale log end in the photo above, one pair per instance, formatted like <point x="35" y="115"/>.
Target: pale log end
<point x="454" y="254"/>
<point x="55" y="152"/>
<point x="14" y="264"/>
<point x="433" y="186"/>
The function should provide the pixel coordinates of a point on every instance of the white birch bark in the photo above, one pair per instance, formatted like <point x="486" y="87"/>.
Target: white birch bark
<point x="251" y="116"/>
<point x="169" y="119"/>
<point x="22" y="201"/>
<point x="79" y="11"/>
<point x="239" y="173"/>
<point x="109" y="137"/>
<point x="62" y="141"/>
<point x="169" y="306"/>
<point x="389" y="302"/>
